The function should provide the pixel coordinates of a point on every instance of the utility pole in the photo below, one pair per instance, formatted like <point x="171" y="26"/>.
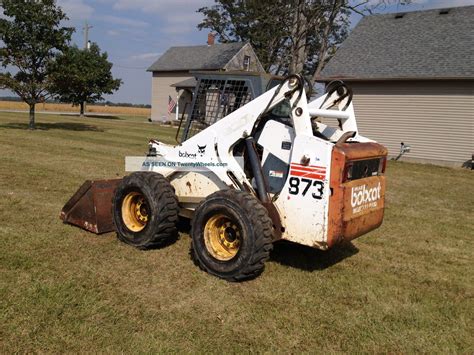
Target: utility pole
<point x="86" y="35"/>
<point x="86" y="29"/>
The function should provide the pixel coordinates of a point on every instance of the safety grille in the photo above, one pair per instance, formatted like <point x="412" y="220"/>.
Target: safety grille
<point x="213" y="100"/>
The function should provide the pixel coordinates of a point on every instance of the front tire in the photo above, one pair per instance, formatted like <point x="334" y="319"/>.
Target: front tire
<point x="145" y="210"/>
<point x="231" y="235"/>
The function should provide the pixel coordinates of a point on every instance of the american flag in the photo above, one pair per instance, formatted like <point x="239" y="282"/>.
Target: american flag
<point x="171" y="104"/>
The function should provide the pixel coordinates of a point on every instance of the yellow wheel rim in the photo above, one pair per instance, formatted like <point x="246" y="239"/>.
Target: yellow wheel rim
<point x="222" y="237"/>
<point x="135" y="211"/>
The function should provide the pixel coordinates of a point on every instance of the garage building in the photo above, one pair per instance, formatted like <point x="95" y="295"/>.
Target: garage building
<point x="412" y="75"/>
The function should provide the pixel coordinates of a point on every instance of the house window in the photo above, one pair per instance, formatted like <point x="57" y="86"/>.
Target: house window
<point x="246" y="62"/>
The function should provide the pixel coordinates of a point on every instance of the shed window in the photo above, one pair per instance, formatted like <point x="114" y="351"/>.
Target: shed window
<point x="246" y="62"/>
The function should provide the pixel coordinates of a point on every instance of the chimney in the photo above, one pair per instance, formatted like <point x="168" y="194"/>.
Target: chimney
<point x="210" y="38"/>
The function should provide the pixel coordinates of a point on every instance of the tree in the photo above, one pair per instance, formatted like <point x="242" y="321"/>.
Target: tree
<point x="83" y="75"/>
<point x="32" y="36"/>
<point x="289" y="36"/>
<point x="259" y="22"/>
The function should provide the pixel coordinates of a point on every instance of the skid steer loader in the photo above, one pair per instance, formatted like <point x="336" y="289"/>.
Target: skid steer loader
<point x="276" y="168"/>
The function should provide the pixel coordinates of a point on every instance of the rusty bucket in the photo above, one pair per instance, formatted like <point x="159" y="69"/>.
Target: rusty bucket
<point x="90" y="207"/>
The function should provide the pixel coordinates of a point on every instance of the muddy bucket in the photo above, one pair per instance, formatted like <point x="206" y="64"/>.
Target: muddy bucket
<point x="90" y="207"/>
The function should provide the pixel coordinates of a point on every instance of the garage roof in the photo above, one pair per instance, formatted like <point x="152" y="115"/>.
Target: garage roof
<point x="432" y="44"/>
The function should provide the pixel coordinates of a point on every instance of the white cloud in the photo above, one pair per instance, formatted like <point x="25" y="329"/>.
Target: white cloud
<point x="443" y="3"/>
<point x="183" y="18"/>
<point x="113" y="33"/>
<point x="124" y="21"/>
<point x="181" y="23"/>
<point x="145" y="56"/>
<point x="177" y="29"/>
<point x="177" y="16"/>
<point x="76" y="9"/>
<point x="414" y="4"/>
<point x="160" y="6"/>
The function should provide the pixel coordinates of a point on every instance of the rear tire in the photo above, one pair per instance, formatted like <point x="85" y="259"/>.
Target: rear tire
<point x="231" y="235"/>
<point x="145" y="210"/>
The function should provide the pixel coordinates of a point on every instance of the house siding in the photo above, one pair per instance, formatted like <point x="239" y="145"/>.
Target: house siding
<point x="161" y="89"/>
<point x="436" y="118"/>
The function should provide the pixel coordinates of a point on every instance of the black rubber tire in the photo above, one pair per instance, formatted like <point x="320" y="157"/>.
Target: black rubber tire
<point x="257" y="234"/>
<point x="163" y="210"/>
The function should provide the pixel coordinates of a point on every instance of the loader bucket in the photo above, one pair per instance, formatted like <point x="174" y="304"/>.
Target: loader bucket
<point x="90" y="207"/>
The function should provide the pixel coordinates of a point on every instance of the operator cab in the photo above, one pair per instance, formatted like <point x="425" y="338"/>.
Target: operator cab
<point x="275" y="154"/>
<point x="217" y="94"/>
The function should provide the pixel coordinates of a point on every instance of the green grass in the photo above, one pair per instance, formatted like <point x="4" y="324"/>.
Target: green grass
<point x="406" y="287"/>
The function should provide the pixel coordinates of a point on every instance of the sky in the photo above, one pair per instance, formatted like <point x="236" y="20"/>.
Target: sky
<point x="135" y="33"/>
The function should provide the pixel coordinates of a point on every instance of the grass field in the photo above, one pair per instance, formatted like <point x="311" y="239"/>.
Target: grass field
<point x="91" y="109"/>
<point x="406" y="287"/>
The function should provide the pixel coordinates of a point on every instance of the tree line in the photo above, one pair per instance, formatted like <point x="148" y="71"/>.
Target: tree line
<point x="101" y="103"/>
<point x="41" y="64"/>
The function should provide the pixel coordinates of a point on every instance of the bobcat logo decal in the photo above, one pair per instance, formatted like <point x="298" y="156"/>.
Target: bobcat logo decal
<point x="202" y="149"/>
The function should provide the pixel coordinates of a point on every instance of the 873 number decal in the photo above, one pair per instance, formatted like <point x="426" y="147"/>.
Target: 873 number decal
<point x="302" y="185"/>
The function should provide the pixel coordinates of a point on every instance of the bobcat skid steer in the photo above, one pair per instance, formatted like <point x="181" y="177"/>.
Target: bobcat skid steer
<point x="276" y="168"/>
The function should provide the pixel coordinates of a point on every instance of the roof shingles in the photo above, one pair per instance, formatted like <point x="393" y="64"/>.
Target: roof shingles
<point x="421" y="45"/>
<point x="212" y="57"/>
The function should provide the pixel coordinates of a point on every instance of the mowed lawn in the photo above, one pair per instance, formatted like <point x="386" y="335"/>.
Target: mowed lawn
<point x="405" y="287"/>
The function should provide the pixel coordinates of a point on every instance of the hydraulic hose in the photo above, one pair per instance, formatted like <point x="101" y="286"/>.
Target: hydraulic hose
<point x="256" y="167"/>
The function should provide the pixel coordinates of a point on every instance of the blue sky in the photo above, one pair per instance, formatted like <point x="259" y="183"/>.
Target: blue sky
<point x="136" y="32"/>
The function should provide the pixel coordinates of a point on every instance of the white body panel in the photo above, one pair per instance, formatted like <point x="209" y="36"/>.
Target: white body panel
<point x="272" y="135"/>
<point x="306" y="192"/>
